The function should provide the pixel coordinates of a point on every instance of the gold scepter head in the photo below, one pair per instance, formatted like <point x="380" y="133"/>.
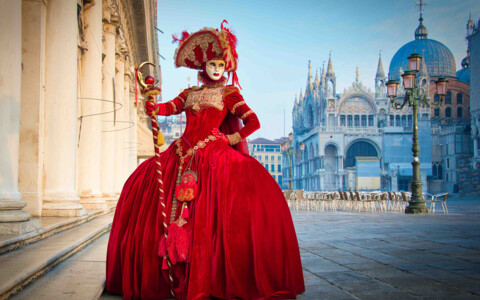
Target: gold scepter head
<point x="149" y="86"/>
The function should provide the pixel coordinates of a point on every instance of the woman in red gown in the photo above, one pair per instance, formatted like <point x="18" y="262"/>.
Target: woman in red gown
<point x="237" y="240"/>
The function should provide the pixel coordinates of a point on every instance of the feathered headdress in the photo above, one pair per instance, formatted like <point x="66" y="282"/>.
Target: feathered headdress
<point x="208" y="43"/>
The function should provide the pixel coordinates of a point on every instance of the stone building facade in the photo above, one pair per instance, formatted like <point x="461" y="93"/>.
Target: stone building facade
<point x="268" y="153"/>
<point x="358" y="125"/>
<point x="70" y="130"/>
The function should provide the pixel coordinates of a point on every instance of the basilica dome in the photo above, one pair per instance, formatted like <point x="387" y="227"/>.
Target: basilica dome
<point x="438" y="58"/>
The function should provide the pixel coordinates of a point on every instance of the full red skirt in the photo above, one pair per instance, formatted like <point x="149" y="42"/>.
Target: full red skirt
<point x="243" y="242"/>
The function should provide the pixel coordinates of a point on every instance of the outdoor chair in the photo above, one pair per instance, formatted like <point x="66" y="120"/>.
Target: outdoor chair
<point x="405" y="199"/>
<point x="440" y="198"/>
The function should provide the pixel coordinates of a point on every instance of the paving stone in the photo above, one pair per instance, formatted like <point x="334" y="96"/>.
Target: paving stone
<point x="325" y="292"/>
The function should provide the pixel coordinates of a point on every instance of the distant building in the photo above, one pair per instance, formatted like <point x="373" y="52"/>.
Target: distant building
<point x="474" y="63"/>
<point x="172" y="127"/>
<point x="268" y="153"/>
<point x="338" y="130"/>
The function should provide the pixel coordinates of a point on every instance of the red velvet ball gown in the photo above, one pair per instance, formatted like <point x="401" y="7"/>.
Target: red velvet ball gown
<point x="243" y="243"/>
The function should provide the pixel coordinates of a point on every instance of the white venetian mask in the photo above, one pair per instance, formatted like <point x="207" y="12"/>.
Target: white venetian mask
<point x="215" y="68"/>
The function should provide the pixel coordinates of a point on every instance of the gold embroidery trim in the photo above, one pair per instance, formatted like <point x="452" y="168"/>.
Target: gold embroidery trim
<point x="237" y="105"/>
<point x="234" y="138"/>
<point x="246" y="114"/>
<point x="174" y="106"/>
<point x="229" y="90"/>
<point x="199" y="145"/>
<point x="204" y="98"/>
<point x="183" y="100"/>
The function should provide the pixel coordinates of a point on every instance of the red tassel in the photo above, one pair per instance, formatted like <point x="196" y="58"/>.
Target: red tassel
<point x="185" y="212"/>
<point x="164" y="264"/>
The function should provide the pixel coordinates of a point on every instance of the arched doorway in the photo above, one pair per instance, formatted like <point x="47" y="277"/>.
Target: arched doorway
<point x="358" y="148"/>
<point x="330" y="165"/>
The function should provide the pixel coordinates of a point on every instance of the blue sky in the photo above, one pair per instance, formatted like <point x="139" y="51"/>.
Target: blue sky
<point x="277" y="38"/>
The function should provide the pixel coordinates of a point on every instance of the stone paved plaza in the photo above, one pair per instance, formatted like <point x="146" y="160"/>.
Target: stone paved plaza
<point x="391" y="255"/>
<point x="383" y="255"/>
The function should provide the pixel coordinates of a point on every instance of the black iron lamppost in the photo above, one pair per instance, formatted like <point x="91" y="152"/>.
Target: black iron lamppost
<point x="415" y="96"/>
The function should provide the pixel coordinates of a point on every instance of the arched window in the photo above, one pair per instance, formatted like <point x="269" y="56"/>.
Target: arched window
<point x="459" y="112"/>
<point x="357" y="121"/>
<point x="370" y="120"/>
<point x="397" y="121"/>
<point x="404" y="121"/>
<point x="448" y="98"/>
<point x="436" y="112"/>
<point x="349" y="121"/>
<point x="459" y="98"/>
<point x="392" y="120"/>
<point x="448" y="112"/>
<point x="410" y="120"/>
<point x="440" y="172"/>
<point x="436" y="98"/>
<point x="342" y="120"/>
<point x="364" y="121"/>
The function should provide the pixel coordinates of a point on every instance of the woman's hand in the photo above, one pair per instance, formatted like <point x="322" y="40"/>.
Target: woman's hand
<point x="219" y="135"/>
<point x="150" y="108"/>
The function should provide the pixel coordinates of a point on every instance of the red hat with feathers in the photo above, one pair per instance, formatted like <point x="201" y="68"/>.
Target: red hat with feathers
<point x="206" y="44"/>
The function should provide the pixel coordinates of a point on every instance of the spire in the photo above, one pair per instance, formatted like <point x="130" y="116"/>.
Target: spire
<point x="330" y="71"/>
<point x="423" y="67"/>
<point x="357" y="76"/>
<point x="300" y="99"/>
<point x="380" y="71"/>
<point x="421" y="33"/>
<point x="296" y="102"/>
<point x="309" y="78"/>
<point x="317" y="80"/>
<point x="470" y="25"/>
<point x="322" y="81"/>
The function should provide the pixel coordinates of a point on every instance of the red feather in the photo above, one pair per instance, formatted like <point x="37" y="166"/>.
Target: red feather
<point x="185" y="35"/>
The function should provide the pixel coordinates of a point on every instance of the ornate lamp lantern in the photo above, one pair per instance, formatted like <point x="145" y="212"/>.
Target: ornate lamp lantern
<point x="392" y="86"/>
<point x="408" y="79"/>
<point x="441" y="85"/>
<point x="414" y="62"/>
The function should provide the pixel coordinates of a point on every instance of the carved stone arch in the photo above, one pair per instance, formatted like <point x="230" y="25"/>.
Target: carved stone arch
<point x="347" y="99"/>
<point x="360" y="147"/>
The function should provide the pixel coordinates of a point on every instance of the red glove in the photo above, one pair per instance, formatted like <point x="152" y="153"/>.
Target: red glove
<point x="220" y="135"/>
<point x="150" y="108"/>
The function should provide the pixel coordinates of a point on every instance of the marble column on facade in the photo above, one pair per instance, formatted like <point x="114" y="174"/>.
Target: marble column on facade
<point x="108" y="133"/>
<point x="128" y="116"/>
<point x="120" y="130"/>
<point x="134" y="139"/>
<point x="11" y="202"/>
<point x="90" y="137"/>
<point x="60" y="197"/>
<point x="30" y="172"/>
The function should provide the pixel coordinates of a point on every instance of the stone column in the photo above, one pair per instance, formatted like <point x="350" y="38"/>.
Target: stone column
<point x="120" y="133"/>
<point x="90" y="143"/>
<point x="134" y="117"/>
<point x="130" y="146"/>
<point x="108" y="135"/>
<point x="30" y="179"/>
<point x="60" y="196"/>
<point x="11" y="203"/>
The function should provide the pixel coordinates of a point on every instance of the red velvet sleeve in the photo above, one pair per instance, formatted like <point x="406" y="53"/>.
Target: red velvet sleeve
<point x="237" y="106"/>
<point x="173" y="107"/>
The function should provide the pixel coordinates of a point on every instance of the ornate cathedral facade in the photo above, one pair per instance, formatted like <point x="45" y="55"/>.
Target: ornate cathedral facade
<point x="356" y="140"/>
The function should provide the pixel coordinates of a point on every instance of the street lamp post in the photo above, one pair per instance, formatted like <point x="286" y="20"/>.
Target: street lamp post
<point x="289" y="151"/>
<point x="415" y="96"/>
